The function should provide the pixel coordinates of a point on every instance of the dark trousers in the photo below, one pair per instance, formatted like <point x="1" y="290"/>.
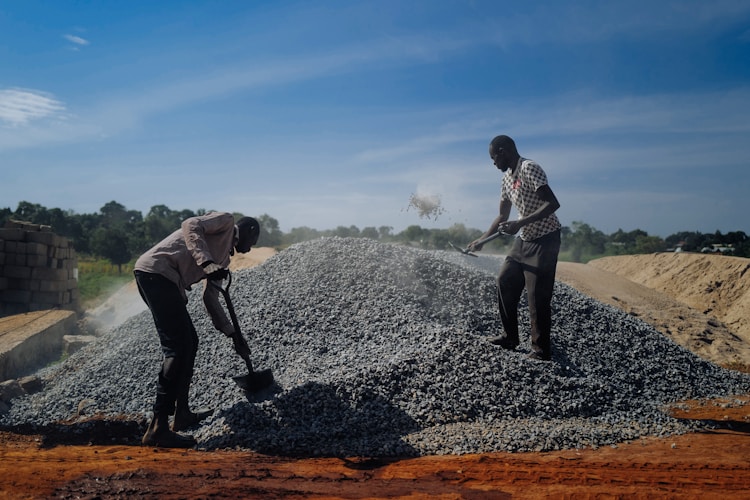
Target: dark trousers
<point x="530" y="264"/>
<point x="178" y="338"/>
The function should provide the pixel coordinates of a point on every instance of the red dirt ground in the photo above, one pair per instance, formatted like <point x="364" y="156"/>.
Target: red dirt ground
<point x="103" y="460"/>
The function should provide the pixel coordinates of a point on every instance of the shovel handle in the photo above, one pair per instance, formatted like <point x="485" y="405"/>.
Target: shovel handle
<point x="489" y="238"/>
<point x="240" y="344"/>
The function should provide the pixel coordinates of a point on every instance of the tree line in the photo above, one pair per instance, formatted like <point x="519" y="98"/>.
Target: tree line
<point x="121" y="235"/>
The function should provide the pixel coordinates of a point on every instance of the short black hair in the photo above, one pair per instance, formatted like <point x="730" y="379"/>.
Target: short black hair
<point x="251" y="226"/>
<point x="504" y="142"/>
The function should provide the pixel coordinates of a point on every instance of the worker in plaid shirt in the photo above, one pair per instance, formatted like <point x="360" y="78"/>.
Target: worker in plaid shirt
<point x="532" y="260"/>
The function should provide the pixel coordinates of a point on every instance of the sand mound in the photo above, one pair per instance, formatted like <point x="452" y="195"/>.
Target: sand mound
<point x="715" y="285"/>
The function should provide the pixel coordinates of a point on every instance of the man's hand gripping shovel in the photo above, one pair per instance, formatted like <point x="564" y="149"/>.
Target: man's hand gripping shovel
<point x="489" y="238"/>
<point x="253" y="381"/>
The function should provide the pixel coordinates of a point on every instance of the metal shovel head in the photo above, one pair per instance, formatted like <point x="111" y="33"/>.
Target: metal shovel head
<point x="254" y="381"/>
<point x="462" y="250"/>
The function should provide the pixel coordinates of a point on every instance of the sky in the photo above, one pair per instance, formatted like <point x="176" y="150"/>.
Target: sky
<point x="337" y="113"/>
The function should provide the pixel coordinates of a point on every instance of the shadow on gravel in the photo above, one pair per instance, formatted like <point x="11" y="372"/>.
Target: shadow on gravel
<point x="95" y="430"/>
<point x="711" y="425"/>
<point x="313" y="420"/>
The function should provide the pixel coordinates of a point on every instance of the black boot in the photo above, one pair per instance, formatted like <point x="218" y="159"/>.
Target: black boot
<point x="504" y="341"/>
<point x="185" y="419"/>
<point x="158" y="434"/>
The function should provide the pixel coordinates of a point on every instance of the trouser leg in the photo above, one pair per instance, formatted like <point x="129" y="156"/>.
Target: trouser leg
<point x="539" y="289"/>
<point x="186" y="375"/>
<point x="177" y="335"/>
<point x="510" y="284"/>
<point x="539" y="270"/>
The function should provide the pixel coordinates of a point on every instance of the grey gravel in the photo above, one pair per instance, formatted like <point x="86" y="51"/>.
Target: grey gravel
<point x="381" y="350"/>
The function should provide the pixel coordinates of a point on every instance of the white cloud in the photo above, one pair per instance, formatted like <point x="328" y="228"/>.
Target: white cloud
<point x="19" y="106"/>
<point x="76" y="39"/>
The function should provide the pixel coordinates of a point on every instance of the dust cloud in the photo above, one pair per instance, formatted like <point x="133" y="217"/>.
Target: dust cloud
<point x="427" y="205"/>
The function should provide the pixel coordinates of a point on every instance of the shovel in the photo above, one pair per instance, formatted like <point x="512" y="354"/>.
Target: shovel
<point x="253" y="381"/>
<point x="489" y="238"/>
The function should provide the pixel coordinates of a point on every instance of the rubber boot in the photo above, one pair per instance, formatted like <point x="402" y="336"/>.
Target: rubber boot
<point x="184" y="418"/>
<point x="505" y="341"/>
<point x="158" y="434"/>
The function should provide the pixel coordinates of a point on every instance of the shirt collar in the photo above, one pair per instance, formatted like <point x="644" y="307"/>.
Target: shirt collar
<point x="235" y="240"/>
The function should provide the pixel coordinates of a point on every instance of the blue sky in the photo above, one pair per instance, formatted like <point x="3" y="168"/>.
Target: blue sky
<point x="331" y="113"/>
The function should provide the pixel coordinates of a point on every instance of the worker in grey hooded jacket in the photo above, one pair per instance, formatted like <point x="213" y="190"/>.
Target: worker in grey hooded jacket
<point x="200" y="249"/>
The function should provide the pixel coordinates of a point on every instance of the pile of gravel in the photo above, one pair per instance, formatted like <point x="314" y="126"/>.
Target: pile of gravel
<point x="380" y="350"/>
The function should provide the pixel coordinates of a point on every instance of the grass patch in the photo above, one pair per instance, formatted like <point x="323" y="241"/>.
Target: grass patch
<point x="98" y="279"/>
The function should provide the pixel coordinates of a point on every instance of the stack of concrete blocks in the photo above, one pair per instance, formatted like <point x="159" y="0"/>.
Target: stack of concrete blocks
<point x="38" y="270"/>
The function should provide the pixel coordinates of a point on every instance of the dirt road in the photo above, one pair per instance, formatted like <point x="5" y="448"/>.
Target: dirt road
<point x="707" y="465"/>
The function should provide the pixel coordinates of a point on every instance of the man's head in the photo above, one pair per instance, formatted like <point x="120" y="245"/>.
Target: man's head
<point x="503" y="152"/>
<point x="249" y="230"/>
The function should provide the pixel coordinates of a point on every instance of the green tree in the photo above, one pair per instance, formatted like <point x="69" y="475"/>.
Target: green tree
<point x="112" y="244"/>
<point x="585" y="240"/>
<point x="690" y="241"/>
<point x="5" y="215"/>
<point x="649" y="244"/>
<point x="270" y="234"/>
<point x="622" y="242"/>
<point x="161" y="221"/>
<point x="298" y="234"/>
<point x="385" y="232"/>
<point x="31" y="212"/>
<point x="413" y="233"/>
<point x="346" y="232"/>
<point x="370" y="232"/>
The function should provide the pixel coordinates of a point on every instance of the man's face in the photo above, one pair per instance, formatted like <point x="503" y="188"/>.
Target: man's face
<point x="499" y="158"/>
<point x="245" y="242"/>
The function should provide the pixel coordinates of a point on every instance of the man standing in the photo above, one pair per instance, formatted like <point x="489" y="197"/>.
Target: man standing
<point x="532" y="260"/>
<point x="200" y="249"/>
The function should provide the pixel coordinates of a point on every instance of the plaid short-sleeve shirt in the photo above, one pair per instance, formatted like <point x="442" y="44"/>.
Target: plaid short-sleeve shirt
<point x="519" y="187"/>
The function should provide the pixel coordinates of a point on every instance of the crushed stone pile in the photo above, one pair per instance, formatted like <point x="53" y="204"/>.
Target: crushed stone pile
<point x="381" y="350"/>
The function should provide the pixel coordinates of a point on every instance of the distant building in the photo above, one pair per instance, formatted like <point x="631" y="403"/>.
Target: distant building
<point x="718" y="248"/>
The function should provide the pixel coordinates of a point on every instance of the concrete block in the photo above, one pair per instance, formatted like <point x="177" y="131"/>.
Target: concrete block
<point x="49" y="239"/>
<point x="53" y="286"/>
<point x="11" y="308"/>
<point x="36" y="249"/>
<point x="16" y="296"/>
<point x="12" y="271"/>
<point x="12" y="234"/>
<point x="50" y="298"/>
<point x="10" y="389"/>
<point x="36" y="260"/>
<point x="73" y="343"/>
<point x="47" y="274"/>
<point x="30" y="384"/>
<point x="32" y="285"/>
<point x="33" y="341"/>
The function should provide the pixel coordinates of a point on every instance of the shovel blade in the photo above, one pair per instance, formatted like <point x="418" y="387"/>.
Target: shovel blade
<point x="254" y="381"/>
<point x="462" y="250"/>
